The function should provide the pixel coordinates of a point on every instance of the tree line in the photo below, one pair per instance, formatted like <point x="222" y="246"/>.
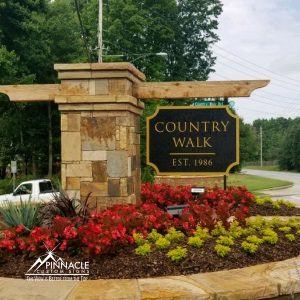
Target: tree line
<point x="35" y="34"/>
<point x="281" y="141"/>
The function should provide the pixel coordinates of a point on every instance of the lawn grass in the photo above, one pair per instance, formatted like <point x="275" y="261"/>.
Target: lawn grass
<point x="256" y="183"/>
<point x="265" y="168"/>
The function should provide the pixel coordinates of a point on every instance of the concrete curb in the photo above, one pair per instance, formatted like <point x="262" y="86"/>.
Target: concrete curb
<point x="267" y="281"/>
<point x="277" y="188"/>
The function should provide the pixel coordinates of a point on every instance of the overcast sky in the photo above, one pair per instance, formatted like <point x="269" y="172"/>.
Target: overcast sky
<point x="260" y="39"/>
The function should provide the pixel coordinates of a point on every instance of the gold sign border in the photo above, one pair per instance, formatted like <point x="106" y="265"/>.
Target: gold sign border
<point x="237" y="159"/>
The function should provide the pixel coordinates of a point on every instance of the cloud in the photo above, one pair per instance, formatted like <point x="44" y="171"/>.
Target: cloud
<point x="266" y="33"/>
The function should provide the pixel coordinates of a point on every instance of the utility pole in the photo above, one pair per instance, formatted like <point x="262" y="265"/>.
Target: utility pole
<point x="100" y="31"/>
<point x="261" y="146"/>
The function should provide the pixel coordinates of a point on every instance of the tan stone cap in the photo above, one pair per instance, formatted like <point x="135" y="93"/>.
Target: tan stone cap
<point x="97" y="70"/>
<point x="266" y="281"/>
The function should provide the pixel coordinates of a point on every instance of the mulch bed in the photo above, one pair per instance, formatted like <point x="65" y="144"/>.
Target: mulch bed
<point x="126" y="264"/>
<point x="268" y="210"/>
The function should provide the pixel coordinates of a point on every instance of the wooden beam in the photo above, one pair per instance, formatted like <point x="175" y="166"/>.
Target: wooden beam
<point x="197" y="89"/>
<point x="30" y="92"/>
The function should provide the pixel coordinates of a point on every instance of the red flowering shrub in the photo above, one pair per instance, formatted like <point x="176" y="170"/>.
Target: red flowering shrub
<point x="163" y="194"/>
<point x="103" y="232"/>
<point x="213" y="206"/>
<point x="113" y="228"/>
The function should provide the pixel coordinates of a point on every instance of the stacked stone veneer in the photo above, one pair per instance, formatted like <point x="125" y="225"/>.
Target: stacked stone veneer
<point x="100" y="124"/>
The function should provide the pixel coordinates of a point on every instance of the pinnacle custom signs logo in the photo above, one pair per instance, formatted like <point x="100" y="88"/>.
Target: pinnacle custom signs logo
<point x="52" y="267"/>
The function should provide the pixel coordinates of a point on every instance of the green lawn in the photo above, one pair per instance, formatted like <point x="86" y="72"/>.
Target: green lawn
<point x="265" y="168"/>
<point x="255" y="183"/>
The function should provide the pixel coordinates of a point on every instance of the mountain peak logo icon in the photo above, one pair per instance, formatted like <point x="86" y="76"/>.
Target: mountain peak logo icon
<point x="49" y="256"/>
<point x="53" y="267"/>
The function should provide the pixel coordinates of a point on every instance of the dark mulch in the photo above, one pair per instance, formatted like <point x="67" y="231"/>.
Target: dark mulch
<point x="126" y="264"/>
<point x="268" y="210"/>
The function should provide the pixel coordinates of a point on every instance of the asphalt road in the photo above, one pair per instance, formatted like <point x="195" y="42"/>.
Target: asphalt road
<point x="291" y="193"/>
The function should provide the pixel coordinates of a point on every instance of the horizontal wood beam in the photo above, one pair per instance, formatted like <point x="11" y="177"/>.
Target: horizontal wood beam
<point x="197" y="89"/>
<point x="144" y="90"/>
<point x="30" y="92"/>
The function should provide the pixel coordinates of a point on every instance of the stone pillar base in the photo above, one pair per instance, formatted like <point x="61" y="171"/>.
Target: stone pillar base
<point x="100" y="133"/>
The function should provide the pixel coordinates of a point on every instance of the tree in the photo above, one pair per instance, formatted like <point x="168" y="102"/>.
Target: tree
<point x="249" y="144"/>
<point x="290" y="148"/>
<point x="38" y="33"/>
<point x="273" y="132"/>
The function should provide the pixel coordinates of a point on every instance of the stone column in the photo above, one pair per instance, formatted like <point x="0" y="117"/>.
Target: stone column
<point x="100" y="132"/>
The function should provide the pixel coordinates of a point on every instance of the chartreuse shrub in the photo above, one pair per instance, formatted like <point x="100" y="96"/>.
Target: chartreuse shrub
<point x="298" y="232"/>
<point x="235" y="230"/>
<point x="285" y="229"/>
<point x="249" y="247"/>
<point x="139" y="239"/>
<point x="290" y="237"/>
<point x="219" y="230"/>
<point x="225" y="240"/>
<point x="254" y="240"/>
<point x="162" y="243"/>
<point x="143" y="250"/>
<point x="222" y="250"/>
<point x="263" y="200"/>
<point x="195" y="241"/>
<point x="202" y="233"/>
<point x="270" y="236"/>
<point x="153" y="236"/>
<point x="174" y="236"/>
<point x="256" y="223"/>
<point x="275" y="203"/>
<point x="177" y="254"/>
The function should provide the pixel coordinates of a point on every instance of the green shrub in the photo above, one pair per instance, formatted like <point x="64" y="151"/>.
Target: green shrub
<point x="290" y="204"/>
<point x="263" y="200"/>
<point x="298" y="232"/>
<point x="256" y="223"/>
<point x="235" y="230"/>
<point x="139" y="239"/>
<point x="153" y="236"/>
<point x="219" y="230"/>
<point x="249" y="231"/>
<point x="162" y="243"/>
<point x="202" y="233"/>
<point x="225" y="240"/>
<point x="285" y="229"/>
<point x="294" y="223"/>
<point x="290" y="237"/>
<point x="254" y="240"/>
<point x="195" y="241"/>
<point x="22" y="212"/>
<point x="174" y="236"/>
<point x="276" y="222"/>
<point x="143" y="250"/>
<point x="222" y="250"/>
<point x="249" y="247"/>
<point x="177" y="254"/>
<point x="270" y="236"/>
<point x="276" y="205"/>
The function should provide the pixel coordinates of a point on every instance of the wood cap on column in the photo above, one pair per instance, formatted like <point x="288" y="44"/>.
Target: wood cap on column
<point x="99" y="70"/>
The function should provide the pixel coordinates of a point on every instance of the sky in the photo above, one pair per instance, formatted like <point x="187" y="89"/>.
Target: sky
<point x="260" y="39"/>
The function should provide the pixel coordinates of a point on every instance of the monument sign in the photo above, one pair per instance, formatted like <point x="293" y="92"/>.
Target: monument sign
<point x="187" y="140"/>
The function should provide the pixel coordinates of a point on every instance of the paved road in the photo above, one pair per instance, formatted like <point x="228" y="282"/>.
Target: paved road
<point x="291" y="193"/>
